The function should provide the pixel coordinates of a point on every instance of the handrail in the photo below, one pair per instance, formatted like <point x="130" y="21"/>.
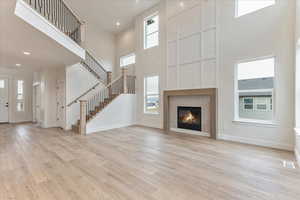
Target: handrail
<point x="116" y="79"/>
<point x="85" y="93"/>
<point x="60" y="15"/>
<point x="90" y="107"/>
<point x="73" y="13"/>
<point x="95" y="66"/>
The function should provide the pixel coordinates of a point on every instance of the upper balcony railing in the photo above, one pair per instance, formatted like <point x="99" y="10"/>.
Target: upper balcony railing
<point x="56" y="12"/>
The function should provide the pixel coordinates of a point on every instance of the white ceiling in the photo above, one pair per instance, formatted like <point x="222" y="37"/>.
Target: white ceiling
<point x="16" y="36"/>
<point x="105" y="13"/>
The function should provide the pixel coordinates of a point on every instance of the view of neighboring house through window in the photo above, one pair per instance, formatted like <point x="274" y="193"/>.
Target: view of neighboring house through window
<point x="151" y="88"/>
<point x="127" y="60"/>
<point x="255" y="87"/>
<point x="151" y="31"/>
<point x="20" y="95"/>
<point x="244" y="7"/>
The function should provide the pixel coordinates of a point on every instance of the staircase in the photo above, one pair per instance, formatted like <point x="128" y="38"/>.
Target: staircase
<point x="64" y="19"/>
<point x="89" y="108"/>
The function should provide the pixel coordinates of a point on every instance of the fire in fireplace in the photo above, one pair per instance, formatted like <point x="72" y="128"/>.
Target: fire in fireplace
<point x="189" y="118"/>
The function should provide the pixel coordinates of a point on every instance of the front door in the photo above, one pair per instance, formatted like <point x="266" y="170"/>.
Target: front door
<point x="3" y="100"/>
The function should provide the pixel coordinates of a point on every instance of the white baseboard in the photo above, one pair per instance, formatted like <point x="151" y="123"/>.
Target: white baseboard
<point x="106" y="128"/>
<point x="178" y="130"/>
<point x="263" y="143"/>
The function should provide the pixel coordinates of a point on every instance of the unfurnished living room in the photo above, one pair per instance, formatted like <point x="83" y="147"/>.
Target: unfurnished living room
<point x="149" y="99"/>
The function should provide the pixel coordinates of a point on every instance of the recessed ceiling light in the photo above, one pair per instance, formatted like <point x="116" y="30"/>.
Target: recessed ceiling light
<point x="118" y="24"/>
<point x="26" y="53"/>
<point x="18" y="65"/>
<point x="181" y="4"/>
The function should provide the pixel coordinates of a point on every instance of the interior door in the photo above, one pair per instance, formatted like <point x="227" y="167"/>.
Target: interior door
<point x="60" y="103"/>
<point x="4" y="100"/>
<point x="37" y="106"/>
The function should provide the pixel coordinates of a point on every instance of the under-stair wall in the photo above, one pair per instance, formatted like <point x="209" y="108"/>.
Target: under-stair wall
<point x="119" y="113"/>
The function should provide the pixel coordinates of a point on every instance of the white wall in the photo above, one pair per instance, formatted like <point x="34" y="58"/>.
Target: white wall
<point x="15" y="74"/>
<point x="125" y="44"/>
<point x="48" y="82"/>
<point x="269" y="31"/>
<point x="192" y="44"/>
<point x="101" y="44"/>
<point x="150" y="62"/>
<point x="121" y="112"/>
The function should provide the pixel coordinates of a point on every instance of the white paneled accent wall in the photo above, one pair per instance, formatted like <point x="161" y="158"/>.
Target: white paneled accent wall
<point x="191" y="44"/>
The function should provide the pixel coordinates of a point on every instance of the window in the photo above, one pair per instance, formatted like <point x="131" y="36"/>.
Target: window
<point x="20" y="95"/>
<point x="255" y="86"/>
<point x="2" y="84"/>
<point x="127" y="60"/>
<point x="248" y="103"/>
<point x="151" y="31"/>
<point x="151" y="88"/>
<point x="244" y="7"/>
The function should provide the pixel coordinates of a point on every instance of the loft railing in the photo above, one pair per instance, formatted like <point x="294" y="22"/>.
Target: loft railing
<point x="88" y="108"/>
<point x="56" y="12"/>
<point x="95" y="67"/>
<point x="131" y="84"/>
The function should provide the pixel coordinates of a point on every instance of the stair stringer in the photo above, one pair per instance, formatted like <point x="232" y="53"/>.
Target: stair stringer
<point x="121" y="112"/>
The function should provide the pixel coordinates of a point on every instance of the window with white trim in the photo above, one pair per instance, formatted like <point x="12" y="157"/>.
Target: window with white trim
<point x="2" y="84"/>
<point x="244" y="7"/>
<point x="255" y="89"/>
<point x="20" y="96"/>
<point x="151" y="31"/>
<point x="127" y="60"/>
<point x="151" y="90"/>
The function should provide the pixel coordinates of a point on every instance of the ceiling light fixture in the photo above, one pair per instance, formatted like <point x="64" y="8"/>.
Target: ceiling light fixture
<point x="118" y="24"/>
<point x="26" y="53"/>
<point x="181" y="4"/>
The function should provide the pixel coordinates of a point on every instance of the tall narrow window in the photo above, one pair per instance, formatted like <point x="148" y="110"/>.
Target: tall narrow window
<point x="255" y="86"/>
<point x="244" y="7"/>
<point x="127" y="60"/>
<point x="151" y="85"/>
<point x="20" y="95"/>
<point x="151" y="31"/>
<point x="2" y="84"/>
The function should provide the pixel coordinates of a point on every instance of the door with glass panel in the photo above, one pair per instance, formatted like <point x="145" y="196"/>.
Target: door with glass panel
<point x="3" y="100"/>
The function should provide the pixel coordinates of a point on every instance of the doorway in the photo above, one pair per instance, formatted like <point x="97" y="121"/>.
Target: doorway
<point x="60" y="103"/>
<point x="4" y="100"/>
<point x="37" y="104"/>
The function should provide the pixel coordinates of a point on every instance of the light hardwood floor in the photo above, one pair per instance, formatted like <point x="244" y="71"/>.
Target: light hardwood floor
<point x="138" y="163"/>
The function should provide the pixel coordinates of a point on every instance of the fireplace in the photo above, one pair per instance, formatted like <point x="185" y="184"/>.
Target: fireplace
<point x="189" y="118"/>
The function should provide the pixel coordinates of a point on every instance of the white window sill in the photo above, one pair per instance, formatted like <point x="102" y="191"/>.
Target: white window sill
<point x="151" y="113"/>
<point x="261" y="123"/>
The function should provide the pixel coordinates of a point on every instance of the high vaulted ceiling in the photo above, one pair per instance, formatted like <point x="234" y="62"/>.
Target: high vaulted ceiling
<point x="105" y="13"/>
